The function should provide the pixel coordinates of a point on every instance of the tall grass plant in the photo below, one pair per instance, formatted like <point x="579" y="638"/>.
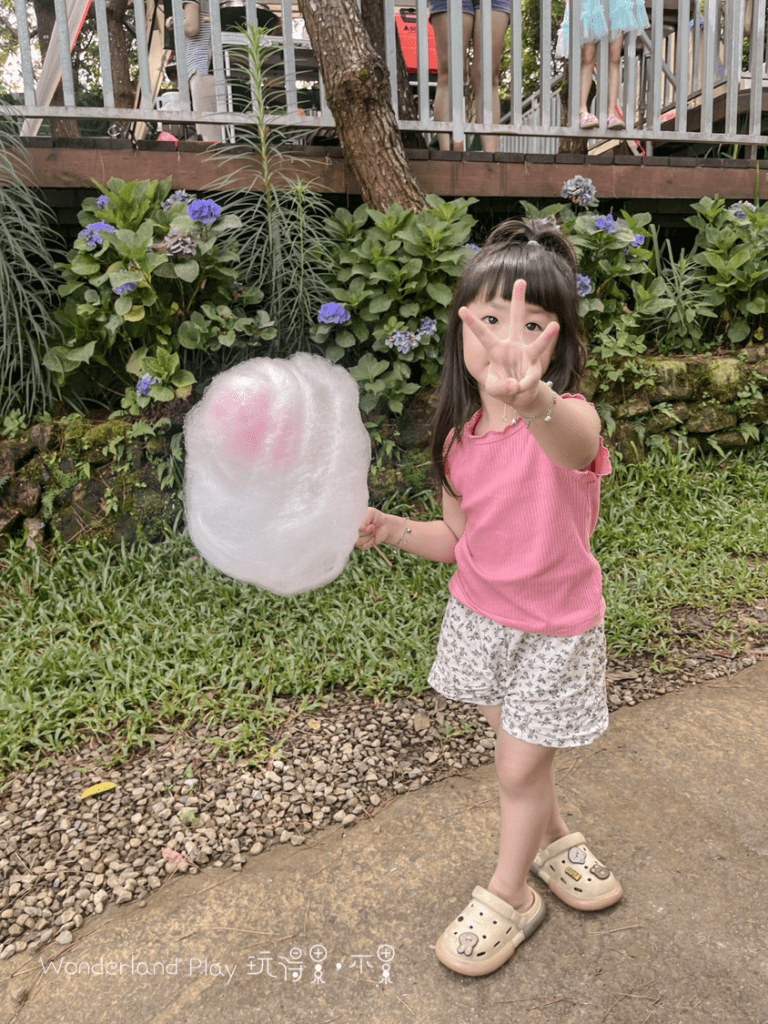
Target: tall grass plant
<point x="283" y="240"/>
<point x="29" y="247"/>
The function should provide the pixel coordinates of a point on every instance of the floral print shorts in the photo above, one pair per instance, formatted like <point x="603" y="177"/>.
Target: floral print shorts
<point x="551" y="688"/>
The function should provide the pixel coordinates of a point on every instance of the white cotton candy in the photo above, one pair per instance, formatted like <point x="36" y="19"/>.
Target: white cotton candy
<point x="276" y="480"/>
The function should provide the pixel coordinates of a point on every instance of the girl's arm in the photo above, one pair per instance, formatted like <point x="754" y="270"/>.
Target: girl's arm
<point x="571" y="439"/>
<point x="191" y="18"/>
<point x="435" y="540"/>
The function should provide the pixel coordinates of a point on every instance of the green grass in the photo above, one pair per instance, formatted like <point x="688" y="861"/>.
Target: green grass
<point x="680" y="531"/>
<point x="116" y="644"/>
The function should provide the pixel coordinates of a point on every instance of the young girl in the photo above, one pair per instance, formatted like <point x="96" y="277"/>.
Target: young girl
<point x="520" y="462"/>
<point x="600" y="18"/>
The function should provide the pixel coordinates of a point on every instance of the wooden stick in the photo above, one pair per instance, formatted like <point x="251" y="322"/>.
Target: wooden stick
<point x="377" y="548"/>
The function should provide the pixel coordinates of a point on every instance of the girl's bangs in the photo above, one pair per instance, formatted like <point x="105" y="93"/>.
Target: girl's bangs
<point x="547" y="286"/>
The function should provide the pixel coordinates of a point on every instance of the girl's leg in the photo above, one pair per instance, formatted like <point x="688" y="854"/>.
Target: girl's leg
<point x="443" y="90"/>
<point x="614" y="69"/>
<point x="530" y="817"/>
<point x="588" y="54"/>
<point x="499" y="23"/>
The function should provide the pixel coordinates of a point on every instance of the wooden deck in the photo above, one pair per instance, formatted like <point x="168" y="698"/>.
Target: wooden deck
<point x="75" y="165"/>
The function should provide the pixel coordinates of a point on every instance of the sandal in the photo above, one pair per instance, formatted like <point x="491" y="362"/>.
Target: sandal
<point x="616" y="122"/>
<point x="486" y="933"/>
<point x="588" y="121"/>
<point x="575" y="875"/>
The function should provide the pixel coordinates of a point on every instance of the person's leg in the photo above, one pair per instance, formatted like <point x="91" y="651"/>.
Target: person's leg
<point x="203" y="93"/>
<point x="525" y="798"/>
<point x="614" y="72"/>
<point x="530" y="816"/>
<point x="443" y="90"/>
<point x="499" y="24"/>
<point x="588" y="54"/>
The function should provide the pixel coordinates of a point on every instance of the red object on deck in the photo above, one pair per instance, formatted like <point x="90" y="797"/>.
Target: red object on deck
<point x="406" y="29"/>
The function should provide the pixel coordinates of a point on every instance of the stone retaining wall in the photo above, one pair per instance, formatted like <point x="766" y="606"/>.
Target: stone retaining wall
<point x="84" y="479"/>
<point x="709" y="401"/>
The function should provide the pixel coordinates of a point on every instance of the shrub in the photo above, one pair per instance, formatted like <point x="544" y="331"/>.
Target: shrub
<point x="392" y="283"/>
<point x="732" y="250"/>
<point x="636" y="297"/>
<point x="152" y="293"/>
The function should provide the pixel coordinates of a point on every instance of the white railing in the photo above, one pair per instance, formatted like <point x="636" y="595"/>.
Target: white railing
<point x="684" y="79"/>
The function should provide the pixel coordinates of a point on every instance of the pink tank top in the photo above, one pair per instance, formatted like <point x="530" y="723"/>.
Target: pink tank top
<point x="524" y="558"/>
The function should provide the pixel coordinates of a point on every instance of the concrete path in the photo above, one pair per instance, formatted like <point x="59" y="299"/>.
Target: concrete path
<point x="674" y="798"/>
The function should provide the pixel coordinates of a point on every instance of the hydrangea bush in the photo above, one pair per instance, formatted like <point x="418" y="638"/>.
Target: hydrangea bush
<point x="731" y="256"/>
<point x="389" y="292"/>
<point x="151" y="293"/>
<point x="636" y="297"/>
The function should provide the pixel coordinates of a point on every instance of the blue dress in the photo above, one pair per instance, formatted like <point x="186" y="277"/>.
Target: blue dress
<point x="601" y="18"/>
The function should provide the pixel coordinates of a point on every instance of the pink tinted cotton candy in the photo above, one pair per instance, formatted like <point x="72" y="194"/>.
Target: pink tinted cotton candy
<point x="277" y="461"/>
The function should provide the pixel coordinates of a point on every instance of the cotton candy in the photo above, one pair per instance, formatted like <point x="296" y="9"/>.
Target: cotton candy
<point x="276" y="479"/>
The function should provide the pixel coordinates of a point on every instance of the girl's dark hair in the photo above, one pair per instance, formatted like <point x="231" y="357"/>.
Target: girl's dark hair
<point x="549" y="269"/>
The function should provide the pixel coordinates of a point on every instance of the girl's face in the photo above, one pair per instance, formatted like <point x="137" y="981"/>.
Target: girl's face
<point x="496" y="313"/>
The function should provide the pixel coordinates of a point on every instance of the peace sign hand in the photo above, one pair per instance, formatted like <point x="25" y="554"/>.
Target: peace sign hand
<point x="516" y="367"/>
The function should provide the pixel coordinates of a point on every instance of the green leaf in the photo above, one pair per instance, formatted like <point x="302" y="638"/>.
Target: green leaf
<point x="379" y="304"/>
<point x="84" y="265"/>
<point x="188" y="270"/>
<point x="136" y="314"/>
<point x="182" y="378"/>
<point x="123" y="304"/>
<point x="738" y="332"/>
<point x="345" y="338"/>
<point x="369" y="368"/>
<point x="133" y="366"/>
<point x="441" y="293"/>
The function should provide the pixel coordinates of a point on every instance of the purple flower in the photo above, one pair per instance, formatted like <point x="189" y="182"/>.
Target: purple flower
<point x="333" y="313"/>
<point x="102" y="202"/>
<point x="583" y="285"/>
<point x="403" y="341"/>
<point x="739" y="210"/>
<point x="179" y="196"/>
<point x="428" y="327"/>
<point x="606" y="224"/>
<point x="638" y="242"/>
<point x="472" y="247"/>
<point x="580" y="191"/>
<point x="204" y="211"/>
<point x="92" y="235"/>
<point x="124" y="289"/>
<point x="146" y="382"/>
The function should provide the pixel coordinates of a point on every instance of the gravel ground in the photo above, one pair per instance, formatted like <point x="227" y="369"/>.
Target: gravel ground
<point x="182" y="807"/>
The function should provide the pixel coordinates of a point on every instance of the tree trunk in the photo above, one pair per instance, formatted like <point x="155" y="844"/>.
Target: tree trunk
<point x="119" y="51"/>
<point x="357" y="87"/>
<point x="45" y="13"/>
<point x="373" y="19"/>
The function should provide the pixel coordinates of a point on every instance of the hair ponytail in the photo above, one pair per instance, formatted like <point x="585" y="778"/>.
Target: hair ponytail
<point x="536" y="232"/>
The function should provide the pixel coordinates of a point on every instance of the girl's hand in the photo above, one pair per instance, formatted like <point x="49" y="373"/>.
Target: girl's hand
<point x="375" y="530"/>
<point x="516" y="364"/>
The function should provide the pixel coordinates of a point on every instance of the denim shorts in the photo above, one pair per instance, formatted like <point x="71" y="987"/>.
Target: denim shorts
<point x="469" y="6"/>
<point x="551" y="689"/>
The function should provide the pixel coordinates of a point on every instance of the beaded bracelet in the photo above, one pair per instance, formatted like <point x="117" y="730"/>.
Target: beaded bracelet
<point x="547" y="415"/>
